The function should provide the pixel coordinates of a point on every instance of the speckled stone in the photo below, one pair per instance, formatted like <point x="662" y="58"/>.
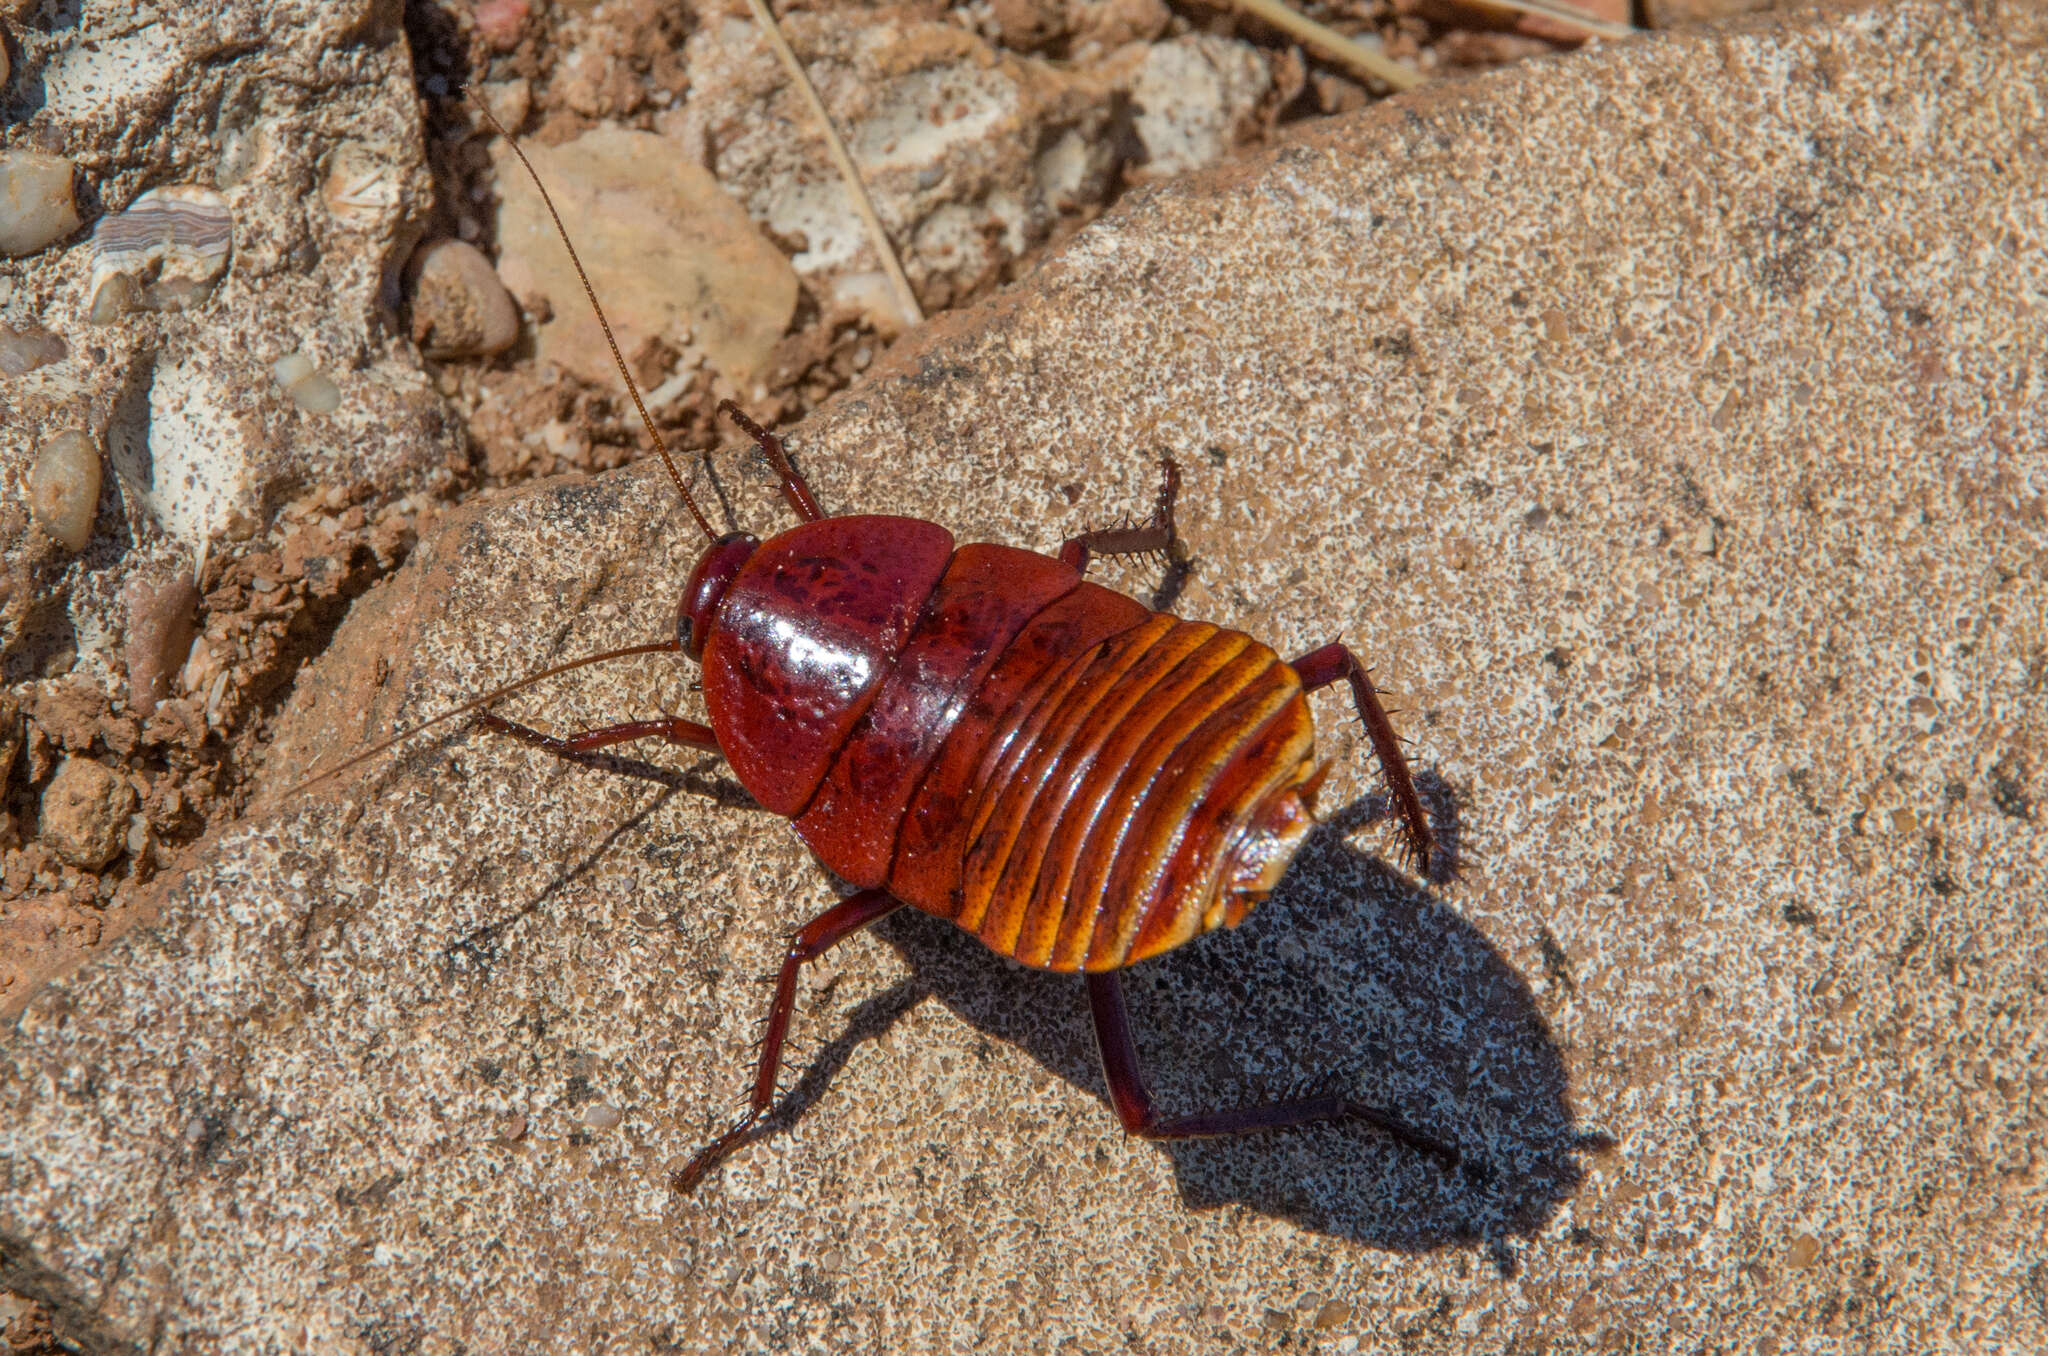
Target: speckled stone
<point x="1665" y="423"/>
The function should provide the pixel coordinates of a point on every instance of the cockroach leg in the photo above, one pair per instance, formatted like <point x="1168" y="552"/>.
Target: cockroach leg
<point x="795" y="488"/>
<point x="1157" y="535"/>
<point x="811" y="941"/>
<point x="1320" y="668"/>
<point x="674" y="729"/>
<point x="1133" y="1103"/>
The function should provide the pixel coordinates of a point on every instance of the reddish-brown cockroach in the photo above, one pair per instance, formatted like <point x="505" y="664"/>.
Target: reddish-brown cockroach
<point x="980" y="732"/>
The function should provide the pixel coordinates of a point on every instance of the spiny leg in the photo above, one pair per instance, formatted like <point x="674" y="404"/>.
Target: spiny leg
<point x="1320" y="668"/>
<point x="794" y="487"/>
<point x="672" y="728"/>
<point x="812" y="940"/>
<point x="1157" y="535"/>
<point x="1133" y="1103"/>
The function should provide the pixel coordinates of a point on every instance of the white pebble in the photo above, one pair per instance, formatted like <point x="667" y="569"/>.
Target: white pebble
<point x="64" y="488"/>
<point x="36" y="206"/>
<point x="309" y="388"/>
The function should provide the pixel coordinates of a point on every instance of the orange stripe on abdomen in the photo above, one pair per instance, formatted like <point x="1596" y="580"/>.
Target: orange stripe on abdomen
<point x="1135" y="882"/>
<point x="1078" y="808"/>
<point x="931" y="842"/>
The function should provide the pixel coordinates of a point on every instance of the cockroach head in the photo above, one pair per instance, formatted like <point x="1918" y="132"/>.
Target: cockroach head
<point x="714" y="574"/>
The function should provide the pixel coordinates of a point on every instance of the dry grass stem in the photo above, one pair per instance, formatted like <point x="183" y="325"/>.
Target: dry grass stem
<point x="913" y="314"/>
<point x="1332" y="44"/>
<point x="1564" y="14"/>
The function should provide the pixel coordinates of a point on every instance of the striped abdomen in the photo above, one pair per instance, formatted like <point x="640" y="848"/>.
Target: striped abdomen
<point x="1150" y="788"/>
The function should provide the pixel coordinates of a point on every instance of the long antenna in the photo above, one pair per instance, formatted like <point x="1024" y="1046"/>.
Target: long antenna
<point x="632" y="388"/>
<point x="655" y="647"/>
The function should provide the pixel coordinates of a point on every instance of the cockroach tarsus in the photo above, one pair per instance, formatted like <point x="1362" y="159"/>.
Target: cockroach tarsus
<point x="980" y="732"/>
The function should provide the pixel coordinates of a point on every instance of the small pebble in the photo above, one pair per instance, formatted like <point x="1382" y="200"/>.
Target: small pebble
<point x="460" y="309"/>
<point x="309" y="388"/>
<point x="36" y="206"/>
<point x="500" y="23"/>
<point x="602" y="1116"/>
<point x="159" y="637"/>
<point x="64" y="488"/>
<point x="164" y="251"/>
<point x="115" y="297"/>
<point x="25" y="347"/>
<point x="85" y="813"/>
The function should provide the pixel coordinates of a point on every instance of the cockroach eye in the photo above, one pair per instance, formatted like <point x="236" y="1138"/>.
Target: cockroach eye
<point x="706" y="589"/>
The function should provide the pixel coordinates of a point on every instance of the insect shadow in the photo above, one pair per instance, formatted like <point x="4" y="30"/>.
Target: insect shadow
<point x="1349" y="978"/>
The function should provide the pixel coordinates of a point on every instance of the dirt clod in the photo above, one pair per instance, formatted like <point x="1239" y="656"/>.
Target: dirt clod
<point x="85" y="813"/>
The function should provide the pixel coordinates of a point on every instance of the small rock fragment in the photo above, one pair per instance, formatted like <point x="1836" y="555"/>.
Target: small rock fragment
<point x="665" y="244"/>
<point x="1193" y="96"/>
<point x="85" y="813"/>
<point x="510" y="101"/>
<point x="310" y="389"/>
<point x="602" y="1116"/>
<point x="362" y="186"/>
<point x="159" y="637"/>
<point x="11" y="736"/>
<point x="459" y="307"/>
<point x="25" y="347"/>
<point x="163" y="252"/>
<point x="500" y="22"/>
<point x="36" y="206"/>
<point x="64" y="488"/>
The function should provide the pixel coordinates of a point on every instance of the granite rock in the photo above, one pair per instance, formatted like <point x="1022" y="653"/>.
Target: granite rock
<point x="1665" y="424"/>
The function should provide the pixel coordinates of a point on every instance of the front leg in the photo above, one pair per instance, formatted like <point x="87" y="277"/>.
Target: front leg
<point x="674" y="729"/>
<point x="1157" y="535"/>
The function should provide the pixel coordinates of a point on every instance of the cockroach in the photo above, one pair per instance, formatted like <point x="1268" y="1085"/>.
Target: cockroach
<point x="981" y="732"/>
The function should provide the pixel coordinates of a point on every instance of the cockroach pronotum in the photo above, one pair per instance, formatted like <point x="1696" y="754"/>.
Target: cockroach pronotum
<point x="980" y="732"/>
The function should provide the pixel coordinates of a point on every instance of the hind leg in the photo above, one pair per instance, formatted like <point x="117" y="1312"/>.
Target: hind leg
<point x="1133" y="1102"/>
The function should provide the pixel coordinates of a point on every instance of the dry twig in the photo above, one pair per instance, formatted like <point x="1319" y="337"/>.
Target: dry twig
<point x="914" y="315"/>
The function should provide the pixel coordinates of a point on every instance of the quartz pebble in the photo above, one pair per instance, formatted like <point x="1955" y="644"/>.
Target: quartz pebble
<point x="64" y="488"/>
<point x="27" y="346"/>
<point x="310" y="389"/>
<point x="163" y="252"/>
<point x="459" y="307"/>
<point x="85" y="813"/>
<point x="36" y="206"/>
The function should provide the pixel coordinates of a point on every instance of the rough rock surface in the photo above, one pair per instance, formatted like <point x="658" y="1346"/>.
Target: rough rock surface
<point x="1680" y="466"/>
<point x="302" y="115"/>
<point x="1016" y="143"/>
